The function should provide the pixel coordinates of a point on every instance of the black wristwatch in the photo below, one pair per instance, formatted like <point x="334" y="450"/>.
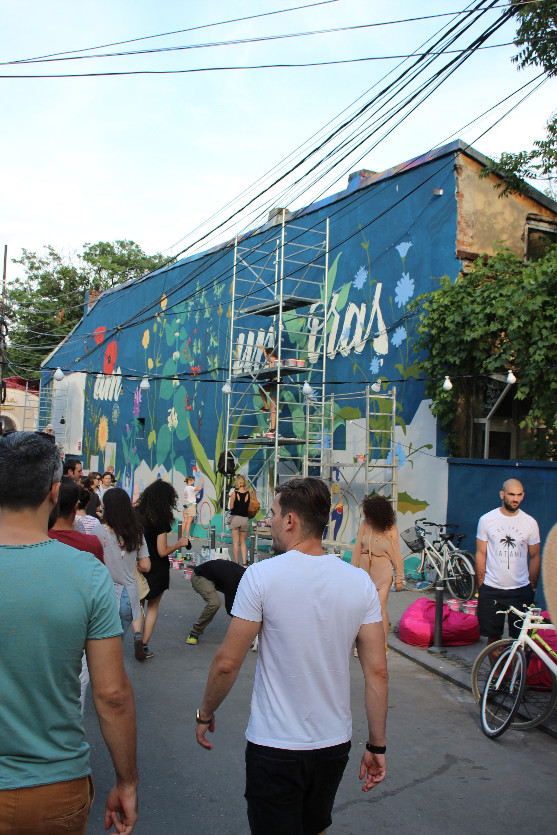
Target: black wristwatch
<point x="373" y="749"/>
<point x="201" y="721"/>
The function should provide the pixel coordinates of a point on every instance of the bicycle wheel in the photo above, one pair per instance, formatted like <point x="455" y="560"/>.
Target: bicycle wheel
<point x="418" y="574"/>
<point x="501" y="698"/>
<point x="539" y="697"/>
<point x="461" y="578"/>
<point x="482" y="666"/>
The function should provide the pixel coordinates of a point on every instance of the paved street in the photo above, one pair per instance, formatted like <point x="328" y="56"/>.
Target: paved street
<point x="444" y="775"/>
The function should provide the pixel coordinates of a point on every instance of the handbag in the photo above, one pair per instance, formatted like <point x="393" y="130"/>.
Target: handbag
<point x="253" y="506"/>
<point x="142" y="584"/>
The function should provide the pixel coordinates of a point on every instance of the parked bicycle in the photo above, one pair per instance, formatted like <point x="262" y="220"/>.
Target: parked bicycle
<point x="427" y="563"/>
<point x="516" y="691"/>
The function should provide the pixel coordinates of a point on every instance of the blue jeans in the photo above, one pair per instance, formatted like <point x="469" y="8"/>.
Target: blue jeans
<point x="125" y="612"/>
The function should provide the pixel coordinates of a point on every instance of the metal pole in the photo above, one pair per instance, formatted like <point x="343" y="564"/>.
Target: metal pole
<point x="2" y="328"/>
<point x="230" y="358"/>
<point x="437" y="647"/>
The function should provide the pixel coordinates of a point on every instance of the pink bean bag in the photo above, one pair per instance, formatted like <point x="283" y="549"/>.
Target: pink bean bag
<point x="538" y="675"/>
<point x="417" y="625"/>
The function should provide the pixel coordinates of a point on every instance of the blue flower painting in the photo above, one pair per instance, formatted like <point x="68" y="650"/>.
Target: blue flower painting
<point x="375" y="365"/>
<point x="403" y="248"/>
<point x="400" y="453"/>
<point x="360" y="278"/>
<point x="404" y="289"/>
<point x="398" y="337"/>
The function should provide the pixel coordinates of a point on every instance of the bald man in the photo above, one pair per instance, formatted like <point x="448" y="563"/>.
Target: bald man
<point x="506" y="538"/>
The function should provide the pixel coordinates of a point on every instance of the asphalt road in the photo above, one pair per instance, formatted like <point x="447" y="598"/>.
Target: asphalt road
<point x="443" y="774"/>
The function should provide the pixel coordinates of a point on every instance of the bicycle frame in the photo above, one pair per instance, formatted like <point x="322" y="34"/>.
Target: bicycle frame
<point x="438" y="559"/>
<point x="529" y="624"/>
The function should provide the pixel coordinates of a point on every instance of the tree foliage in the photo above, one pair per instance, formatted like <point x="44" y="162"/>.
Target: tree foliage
<point x="536" y="39"/>
<point x="498" y="316"/>
<point x="47" y="302"/>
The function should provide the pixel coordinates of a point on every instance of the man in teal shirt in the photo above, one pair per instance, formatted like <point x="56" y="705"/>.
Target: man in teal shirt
<point x="56" y="602"/>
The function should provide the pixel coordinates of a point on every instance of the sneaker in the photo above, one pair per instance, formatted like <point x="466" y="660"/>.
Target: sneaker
<point x="139" y="652"/>
<point x="191" y="639"/>
<point x="147" y="651"/>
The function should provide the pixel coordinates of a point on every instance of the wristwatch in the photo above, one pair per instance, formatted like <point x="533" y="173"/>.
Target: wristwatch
<point x="201" y="721"/>
<point x="373" y="749"/>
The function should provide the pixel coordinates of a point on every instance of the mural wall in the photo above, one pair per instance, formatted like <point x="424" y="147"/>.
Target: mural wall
<point x="389" y="242"/>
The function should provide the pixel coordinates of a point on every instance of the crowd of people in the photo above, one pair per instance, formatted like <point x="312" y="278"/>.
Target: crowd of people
<point x="90" y="563"/>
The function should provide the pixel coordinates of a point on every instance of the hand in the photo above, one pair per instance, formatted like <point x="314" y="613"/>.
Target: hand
<point x="201" y="730"/>
<point x="398" y="585"/>
<point x="375" y="767"/>
<point x="124" y="802"/>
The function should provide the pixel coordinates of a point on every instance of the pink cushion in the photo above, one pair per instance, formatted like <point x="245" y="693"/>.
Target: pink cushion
<point x="417" y="625"/>
<point x="538" y="675"/>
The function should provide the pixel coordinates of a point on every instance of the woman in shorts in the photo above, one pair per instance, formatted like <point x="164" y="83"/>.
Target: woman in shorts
<point x="239" y="522"/>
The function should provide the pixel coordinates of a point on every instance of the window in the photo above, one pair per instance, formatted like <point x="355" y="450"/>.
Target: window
<point x="539" y="235"/>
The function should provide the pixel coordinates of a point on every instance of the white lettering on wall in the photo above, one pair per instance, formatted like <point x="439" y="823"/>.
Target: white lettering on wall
<point x="108" y="386"/>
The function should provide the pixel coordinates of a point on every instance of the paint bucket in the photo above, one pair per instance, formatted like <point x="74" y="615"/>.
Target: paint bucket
<point x="300" y="363"/>
<point x="454" y="604"/>
<point x="176" y="564"/>
<point x="188" y="572"/>
<point x="470" y="608"/>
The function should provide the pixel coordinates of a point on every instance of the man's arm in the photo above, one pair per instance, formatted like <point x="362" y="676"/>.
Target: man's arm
<point x="371" y="652"/>
<point x="114" y="703"/>
<point x="224" y="671"/>
<point x="481" y="557"/>
<point x="534" y="565"/>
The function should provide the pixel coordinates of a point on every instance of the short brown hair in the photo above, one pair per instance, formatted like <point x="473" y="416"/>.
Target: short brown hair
<point x="310" y="499"/>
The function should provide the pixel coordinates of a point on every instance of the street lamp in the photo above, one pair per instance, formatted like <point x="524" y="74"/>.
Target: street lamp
<point x="447" y="385"/>
<point x="144" y="384"/>
<point x="227" y="388"/>
<point x="58" y="374"/>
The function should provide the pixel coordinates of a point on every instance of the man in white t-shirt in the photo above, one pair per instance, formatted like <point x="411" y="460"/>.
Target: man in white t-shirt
<point x="308" y="608"/>
<point x="506" y="538"/>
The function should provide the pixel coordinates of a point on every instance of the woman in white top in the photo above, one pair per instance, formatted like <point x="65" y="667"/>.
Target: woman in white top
<point x="121" y="534"/>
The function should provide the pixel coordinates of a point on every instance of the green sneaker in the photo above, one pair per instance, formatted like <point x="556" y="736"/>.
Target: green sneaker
<point x="191" y="639"/>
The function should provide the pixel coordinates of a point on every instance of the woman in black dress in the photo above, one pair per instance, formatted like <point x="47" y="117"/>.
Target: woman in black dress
<point x="156" y="507"/>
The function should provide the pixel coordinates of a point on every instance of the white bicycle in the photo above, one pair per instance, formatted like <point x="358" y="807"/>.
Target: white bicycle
<point x="514" y="693"/>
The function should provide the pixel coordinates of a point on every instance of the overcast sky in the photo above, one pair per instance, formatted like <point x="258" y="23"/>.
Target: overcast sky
<point x="149" y="157"/>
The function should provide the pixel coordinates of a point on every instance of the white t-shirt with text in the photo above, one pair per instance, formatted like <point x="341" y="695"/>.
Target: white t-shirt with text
<point x="508" y="538"/>
<point x="311" y="609"/>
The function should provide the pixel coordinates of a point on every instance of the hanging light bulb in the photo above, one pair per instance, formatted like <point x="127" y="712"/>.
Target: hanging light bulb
<point x="307" y="389"/>
<point x="227" y="388"/>
<point x="376" y="386"/>
<point x="447" y="385"/>
<point x="58" y="374"/>
<point x="510" y="377"/>
<point x="144" y="384"/>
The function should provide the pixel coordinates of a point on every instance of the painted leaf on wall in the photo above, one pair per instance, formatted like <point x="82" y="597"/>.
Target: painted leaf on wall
<point x="406" y="504"/>
<point x="164" y="440"/>
<point x="180" y="465"/>
<point x="151" y="438"/>
<point x="200" y="456"/>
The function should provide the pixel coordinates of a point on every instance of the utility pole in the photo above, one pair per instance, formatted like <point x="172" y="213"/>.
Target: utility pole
<point x="3" y="332"/>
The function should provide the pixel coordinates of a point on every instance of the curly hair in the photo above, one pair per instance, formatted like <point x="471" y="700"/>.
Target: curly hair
<point x="158" y="502"/>
<point x="379" y="513"/>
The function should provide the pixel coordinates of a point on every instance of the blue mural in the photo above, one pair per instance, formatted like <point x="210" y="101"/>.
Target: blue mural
<point x="389" y="242"/>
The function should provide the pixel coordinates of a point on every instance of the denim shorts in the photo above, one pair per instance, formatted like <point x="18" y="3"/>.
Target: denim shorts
<point x="292" y="792"/>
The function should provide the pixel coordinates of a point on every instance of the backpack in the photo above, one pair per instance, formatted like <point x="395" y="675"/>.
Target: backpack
<point x="230" y="468"/>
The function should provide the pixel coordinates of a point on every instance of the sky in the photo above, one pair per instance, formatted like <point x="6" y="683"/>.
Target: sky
<point x="151" y="158"/>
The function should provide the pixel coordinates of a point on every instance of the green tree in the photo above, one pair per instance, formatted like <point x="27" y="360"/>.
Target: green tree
<point x="498" y="316"/>
<point x="47" y="302"/>
<point x="536" y="39"/>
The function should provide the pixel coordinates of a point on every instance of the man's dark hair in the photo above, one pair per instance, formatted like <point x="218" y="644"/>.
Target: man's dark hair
<point x="30" y="463"/>
<point x="310" y="499"/>
<point x="70" y="464"/>
<point x="68" y="496"/>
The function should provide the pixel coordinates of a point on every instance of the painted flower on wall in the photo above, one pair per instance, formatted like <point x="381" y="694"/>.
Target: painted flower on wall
<point x="102" y="433"/>
<point x="400" y="453"/>
<point x="98" y="334"/>
<point x="145" y="340"/>
<point x="150" y="364"/>
<point x="375" y="365"/>
<point x="164" y="301"/>
<point x="136" y="402"/>
<point x="110" y="355"/>
<point x="172" y="418"/>
<point x="403" y="248"/>
<point x="398" y="337"/>
<point x="115" y="413"/>
<point x="360" y="278"/>
<point x="404" y="289"/>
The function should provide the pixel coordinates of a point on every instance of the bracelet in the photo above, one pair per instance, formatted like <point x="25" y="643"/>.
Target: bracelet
<point x="201" y="721"/>
<point x="375" y="749"/>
